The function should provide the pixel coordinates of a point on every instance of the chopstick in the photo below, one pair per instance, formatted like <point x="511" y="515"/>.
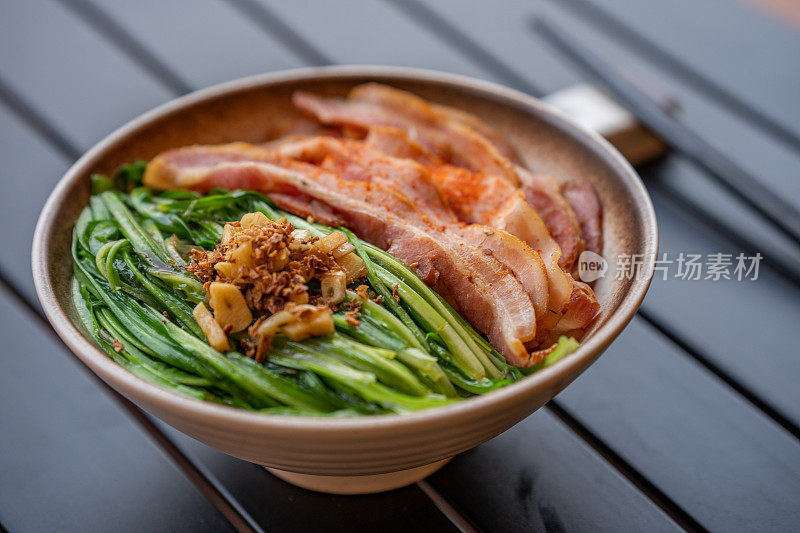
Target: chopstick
<point x="678" y="136"/>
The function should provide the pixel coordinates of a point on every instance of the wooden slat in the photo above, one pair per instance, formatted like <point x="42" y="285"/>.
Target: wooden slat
<point x="358" y="32"/>
<point x="676" y="304"/>
<point x="644" y="41"/>
<point x="77" y="81"/>
<point x="31" y="170"/>
<point x="212" y="42"/>
<point x="70" y="458"/>
<point x="740" y="325"/>
<point x="741" y="139"/>
<point x="718" y="457"/>
<point x="502" y="33"/>
<point x="539" y="477"/>
<point x="675" y="177"/>
<point x="649" y="390"/>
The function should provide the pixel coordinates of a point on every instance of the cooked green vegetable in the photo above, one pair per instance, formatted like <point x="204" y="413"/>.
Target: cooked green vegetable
<point x="407" y="351"/>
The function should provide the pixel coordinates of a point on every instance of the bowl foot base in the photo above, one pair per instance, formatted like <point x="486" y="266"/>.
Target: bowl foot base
<point x="368" y="484"/>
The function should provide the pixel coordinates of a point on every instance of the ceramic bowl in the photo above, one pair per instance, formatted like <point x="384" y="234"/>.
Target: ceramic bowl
<point x="375" y="453"/>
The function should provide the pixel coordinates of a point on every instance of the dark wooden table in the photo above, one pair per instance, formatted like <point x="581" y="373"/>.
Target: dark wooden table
<point x="690" y="420"/>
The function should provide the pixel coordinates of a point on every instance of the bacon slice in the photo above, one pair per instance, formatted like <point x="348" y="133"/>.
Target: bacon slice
<point x="479" y="286"/>
<point x="298" y="126"/>
<point x="471" y="142"/>
<point x="487" y="199"/>
<point x="542" y="191"/>
<point x="494" y="202"/>
<point x="403" y="102"/>
<point x="396" y="143"/>
<point x="450" y="140"/>
<point x="357" y="161"/>
<point x="491" y="134"/>
<point x="583" y="199"/>
<point x="524" y="262"/>
<point x="313" y="209"/>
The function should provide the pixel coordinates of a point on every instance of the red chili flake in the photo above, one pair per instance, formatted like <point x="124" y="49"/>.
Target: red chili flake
<point x="395" y="292"/>
<point x="118" y="346"/>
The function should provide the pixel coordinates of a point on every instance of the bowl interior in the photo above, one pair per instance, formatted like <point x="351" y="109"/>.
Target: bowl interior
<point x="249" y="109"/>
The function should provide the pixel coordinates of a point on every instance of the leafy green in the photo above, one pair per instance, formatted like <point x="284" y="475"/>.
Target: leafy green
<point x="135" y="297"/>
